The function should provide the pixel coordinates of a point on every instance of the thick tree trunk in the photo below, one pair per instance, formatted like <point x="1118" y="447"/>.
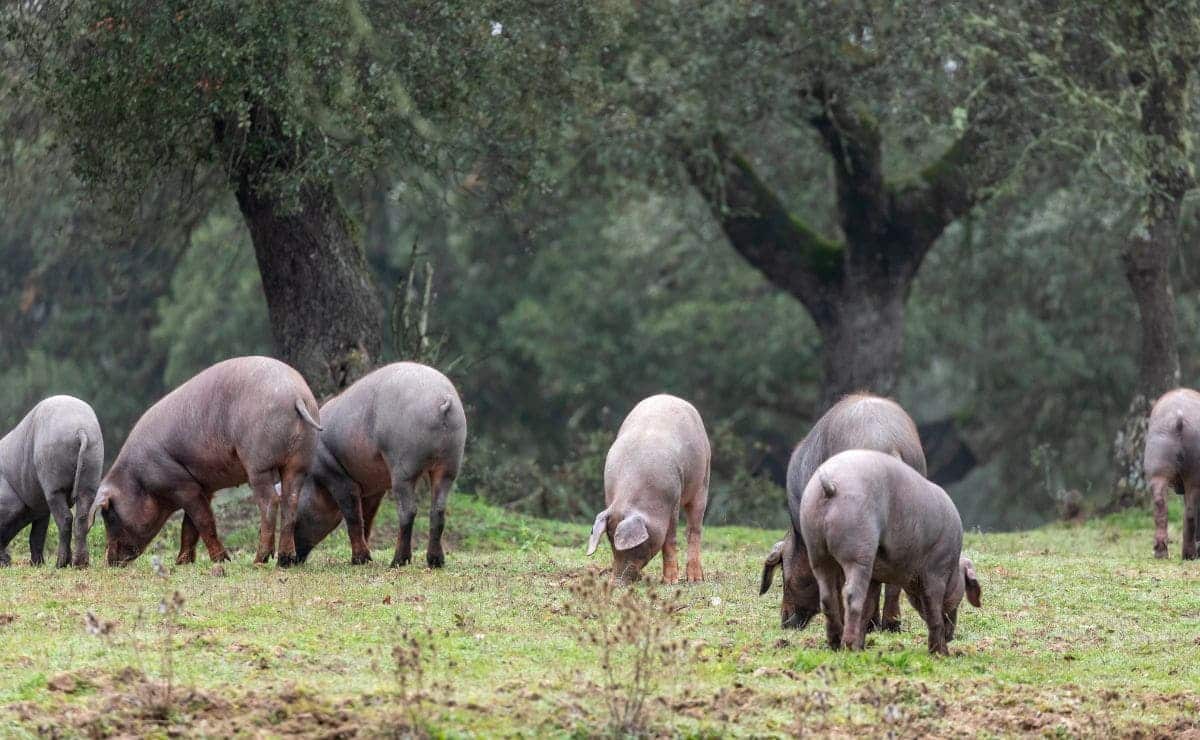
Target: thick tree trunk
<point x="862" y="337"/>
<point x="324" y="312"/>
<point x="1165" y="113"/>
<point x="1147" y="263"/>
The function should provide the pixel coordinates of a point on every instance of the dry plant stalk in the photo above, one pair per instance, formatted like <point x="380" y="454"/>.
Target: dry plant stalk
<point x="633" y="635"/>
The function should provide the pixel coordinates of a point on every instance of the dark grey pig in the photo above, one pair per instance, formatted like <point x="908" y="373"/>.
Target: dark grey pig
<point x="249" y="419"/>
<point x="1172" y="458"/>
<point x="858" y="421"/>
<point x="400" y="424"/>
<point x="658" y="463"/>
<point x="49" y="462"/>
<point x="868" y="518"/>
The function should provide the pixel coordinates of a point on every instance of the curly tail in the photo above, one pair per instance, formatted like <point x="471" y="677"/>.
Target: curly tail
<point x="827" y="485"/>
<point x="303" y="411"/>
<point x="1178" y="421"/>
<point x="81" y="435"/>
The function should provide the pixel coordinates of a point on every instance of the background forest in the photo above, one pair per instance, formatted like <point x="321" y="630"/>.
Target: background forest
<point x="757" y="207"/>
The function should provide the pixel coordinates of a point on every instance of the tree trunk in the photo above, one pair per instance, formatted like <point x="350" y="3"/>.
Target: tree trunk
<point x="862" y="337"/>
<point x="324" y="312"/>
<point x="1147" y="263"/>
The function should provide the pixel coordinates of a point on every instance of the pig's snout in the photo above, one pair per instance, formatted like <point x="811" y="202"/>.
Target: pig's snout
<point x="796" y="620"/>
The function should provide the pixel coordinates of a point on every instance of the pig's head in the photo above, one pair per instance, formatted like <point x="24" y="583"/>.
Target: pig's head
<point x="964" y="583"/>
<point x="634" y="539"/>
<point x="131" y="518"/>
<point x="801" y="595"/>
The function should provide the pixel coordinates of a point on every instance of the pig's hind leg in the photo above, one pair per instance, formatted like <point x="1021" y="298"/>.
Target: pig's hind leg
<point x="1158" y="494"/>
<point x="62" y="519"/>
<point x="694" y="510"/>
<point x="931" y="595"/>
<point x="406" y="508"/>
<point x="854" y="600"/>
<point x="290" y="481"/>
<point x="1191" y="507"/>
<point x="440" y="483"/>
<point x="831" y="607"/>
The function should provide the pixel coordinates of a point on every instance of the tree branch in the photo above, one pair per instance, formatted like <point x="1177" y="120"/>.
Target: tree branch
<point x="853" y="141"/>
<point x="761" y="229"/>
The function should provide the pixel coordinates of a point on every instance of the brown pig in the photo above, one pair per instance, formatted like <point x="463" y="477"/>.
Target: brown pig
<point x="1172" y="458"/>
<point x="658" y="463"/>
<point x="858" y="421"/>
<point x="868" y="518"/>
<point x="398" y="425"/>
<point x="248" y="419"/>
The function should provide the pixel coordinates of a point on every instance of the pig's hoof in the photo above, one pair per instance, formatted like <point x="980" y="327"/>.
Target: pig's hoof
<point x="35" y="561"/>
<point x="62" y="563"/>
<point x="1160" y="552"/>
<point x="5" y="560"/>
<point x="360" y="558"/>
<point x="287" y="561"/>
<point x="891" y="625"/>
<point x="401" y="560"/>
<point x="435" y="560"/>
<point x="1189" y="555"/>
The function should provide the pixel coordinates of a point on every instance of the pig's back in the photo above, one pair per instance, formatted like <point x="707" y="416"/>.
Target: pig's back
<point x="661" y="445"/>
<point x="1173" y="436"/>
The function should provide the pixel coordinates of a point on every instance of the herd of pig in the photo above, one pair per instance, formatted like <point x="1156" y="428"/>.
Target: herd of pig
<point x="863" y="516"/>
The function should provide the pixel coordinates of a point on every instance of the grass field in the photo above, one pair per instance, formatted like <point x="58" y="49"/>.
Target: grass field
<point x="1081" y="633"/>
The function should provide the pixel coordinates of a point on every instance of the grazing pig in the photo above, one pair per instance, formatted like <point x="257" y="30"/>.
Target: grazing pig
<point x="50" y="462"/>
<point x="1172" y="458"/>
<point x="868" y="518"/>
<point x="248" y="419"/>
<point x="858" y="421"/>
<point x="400" y="424"/>
<point x="658" y="463"/>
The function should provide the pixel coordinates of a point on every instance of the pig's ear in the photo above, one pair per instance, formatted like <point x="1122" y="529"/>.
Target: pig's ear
<point x="974" y="592"/>
<point x="598" y="528"/>
<point x="101" y="502"/>
<point x="630" y="533"/>
<point x="773" y="561"/>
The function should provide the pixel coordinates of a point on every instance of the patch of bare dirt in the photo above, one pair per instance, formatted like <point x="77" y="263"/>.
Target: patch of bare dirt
<point x="128" y="704"/>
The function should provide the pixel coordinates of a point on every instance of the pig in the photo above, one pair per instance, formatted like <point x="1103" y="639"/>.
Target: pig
<point x="247" y="419"/>
<point x="658" y="463"/>
<point x="399" y="424"/>
<point x="49" y="462"/>
<point x="869" y="518"/>
<point x="1172" y="458"/>
<point x="858" y="421"/>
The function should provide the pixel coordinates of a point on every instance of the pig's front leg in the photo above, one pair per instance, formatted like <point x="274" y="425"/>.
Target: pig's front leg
<point x="670" y="550"/>
<point x="37" y="540"/>
<point x="188" y="537"/>
<point x="1158" y="493"/>
<point x="198" y="508"/>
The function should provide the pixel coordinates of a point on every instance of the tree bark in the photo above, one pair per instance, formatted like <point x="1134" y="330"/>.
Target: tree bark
<point x="324" y="312"/>
<point x="862" y="339"/>
<point x="326" y="317"/>
<point x="1146" y="259"/>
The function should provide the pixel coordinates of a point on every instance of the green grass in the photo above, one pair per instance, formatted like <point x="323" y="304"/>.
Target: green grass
<point x="1081" y="633"/>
